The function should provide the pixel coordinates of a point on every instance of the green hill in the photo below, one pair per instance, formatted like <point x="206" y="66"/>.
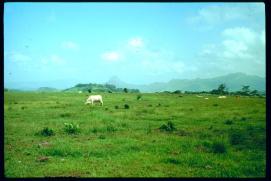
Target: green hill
<point x="97" y="88"/>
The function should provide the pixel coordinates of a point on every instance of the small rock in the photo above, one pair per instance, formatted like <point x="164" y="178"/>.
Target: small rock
<point x="44" y="144"/>
<point x="208" y="167"/>
<point x="43" y="159"/>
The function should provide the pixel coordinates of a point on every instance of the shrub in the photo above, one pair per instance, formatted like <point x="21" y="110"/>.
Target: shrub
<point x="237" y="137"/>
<point x="150" y="105"/>
<point x="126" y="106"/>
<point x="229" y="122"/>
<point x="168" y="127"/>
<point x="172" y="161"/>
<point x="101" y="137"/>
<point x="138" y="97"/>
<point x="110" y="128"/>
<point x="215" y="105"/>
<point x="94" y="130"/>
<point x="243" y="119"/>
<point x="71" y="128"/>
<point x="47" y="132"/>
<point x="219" y="147"/>
<point x="63" y="115"/>
<point x="177" y="92"/>
<point x="116" y="107"/>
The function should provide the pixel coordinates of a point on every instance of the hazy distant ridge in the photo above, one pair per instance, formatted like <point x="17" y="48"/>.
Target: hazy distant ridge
<point x="233" y="81"/>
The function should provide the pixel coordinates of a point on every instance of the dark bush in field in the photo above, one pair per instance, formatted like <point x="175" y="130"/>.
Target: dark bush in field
<point x="252" y="138"/>
<point x="71" y="128"/>
<point x="110" y="128"/>
<point x="216" y="146"/>
<point x="23" y="107"/>
<point x="219" y="147"/>
<point x="215" y="105"/>
<point x="106" y="108"/>
<point x="243" y="119"/>
<point x="126" y="106"/>
<point x="228" y="122"/>
<point x="94" y="130"/>
<point x="171" y="161"/>
<point x="168" y="127"/>
<point x="177" y="92"/>
<point x="138" y="97"/>
<point x="116" y="107"/>
<point x="101" y="137"/>
<point x="159" y="105"/>
<point x="47" y="132"/>
<point x="64" y="115"/>
<point x="150" y="105"/>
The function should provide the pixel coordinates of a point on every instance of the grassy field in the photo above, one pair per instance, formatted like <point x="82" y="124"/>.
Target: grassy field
<point x="160" y="135"/>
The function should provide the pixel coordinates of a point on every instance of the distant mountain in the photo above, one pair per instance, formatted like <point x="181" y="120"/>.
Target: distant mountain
<point x="97" y="88"/>
<point x="234" y="82"/>
<point x="47" y="89"/>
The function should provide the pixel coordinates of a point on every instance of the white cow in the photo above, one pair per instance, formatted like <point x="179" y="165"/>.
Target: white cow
<point x="94" y="98"/>
<point x="221" y="97"/>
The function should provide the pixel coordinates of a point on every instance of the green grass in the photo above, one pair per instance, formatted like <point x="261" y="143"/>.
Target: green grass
<point x="159" y="135"/>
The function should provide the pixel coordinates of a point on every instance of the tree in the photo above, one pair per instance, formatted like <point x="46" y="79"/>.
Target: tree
<point x="254" y="93"/>
<point x="245" y="90"/>
<point x="220" y="90"/>
<point x="125" y="90"/>
<point x="89" y="90"/>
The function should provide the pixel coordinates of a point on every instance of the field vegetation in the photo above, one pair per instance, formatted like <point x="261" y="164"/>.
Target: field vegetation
<point x="132" y="135"/>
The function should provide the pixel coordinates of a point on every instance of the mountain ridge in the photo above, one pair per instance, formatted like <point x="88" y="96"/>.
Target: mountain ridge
<point x="233" y="81"/>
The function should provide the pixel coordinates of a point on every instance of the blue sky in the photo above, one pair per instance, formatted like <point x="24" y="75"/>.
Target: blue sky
<point x="61" y="44"/>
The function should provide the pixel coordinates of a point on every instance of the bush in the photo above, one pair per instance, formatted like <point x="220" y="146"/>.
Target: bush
<point x="116" y="107"/>
<point x="215" y="105"/>
<point x="126" y="106"/>
<point x="172" y="161"/>
<point x="71" y="128"/>
<point x="177" y="92"/>
<point x="63" y="115"/>
<point x="94" y="130"/>
<point x="228" y="122"/>
<point x="101" y="137"/>
<point x="47" y="132"/>
<point x="219" y="147"/>
<point x="138" y="97"/>
<point x="111" y="128"/>
<point x="168" y="127"/>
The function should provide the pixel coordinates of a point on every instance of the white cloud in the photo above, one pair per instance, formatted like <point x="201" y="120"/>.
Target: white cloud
<point x="112" y="56"/>
<point x="136" y="42"/>
<point x="240" y="33"/>
<point x="241" y="49"/>
<point x="57" y="59"/>
<point x="17" y="57"/>
<point x="210" y="16"/>
<point x="53" y="60"/>
<point x="70" y="45"/>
